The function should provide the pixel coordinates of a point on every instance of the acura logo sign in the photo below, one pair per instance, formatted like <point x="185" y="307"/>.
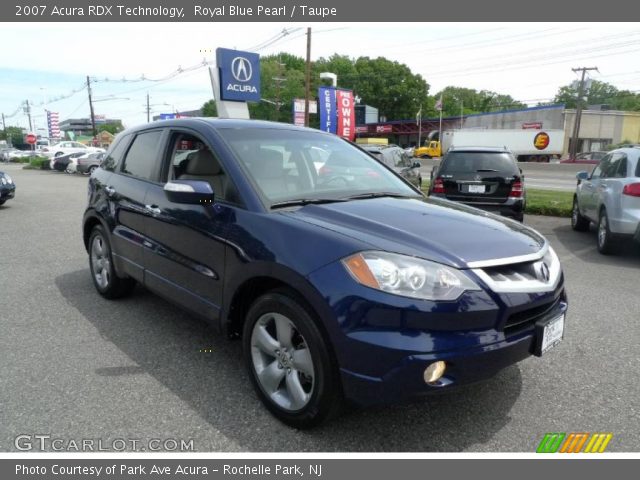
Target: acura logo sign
<point x="542" y="271"/>
<point x="241" y="69"/>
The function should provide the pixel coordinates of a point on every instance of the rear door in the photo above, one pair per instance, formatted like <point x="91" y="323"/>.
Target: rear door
<point x="611" y="185"/>
<point x="127" y="191"/>
<point x="478" y="177"/>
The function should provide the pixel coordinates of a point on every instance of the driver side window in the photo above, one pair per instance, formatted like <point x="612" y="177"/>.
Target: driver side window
<point x="192" y="159"/>
<point x="597" y="172"/>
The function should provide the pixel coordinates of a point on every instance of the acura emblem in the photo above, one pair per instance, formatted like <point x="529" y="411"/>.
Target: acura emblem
<point x="241" y="69"/>
<point x="542" y="271"/>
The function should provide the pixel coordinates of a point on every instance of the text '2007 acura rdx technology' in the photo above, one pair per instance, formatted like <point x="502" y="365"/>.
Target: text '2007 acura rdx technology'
<point x="342" y="287"/>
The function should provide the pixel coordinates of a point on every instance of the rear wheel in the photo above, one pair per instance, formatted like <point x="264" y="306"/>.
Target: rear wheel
<point x="92" y="169"/>
<point x="578" y="222"/>
<point x="108" y="284"/>
<point x="289" y="362"/>
<point x="605" y="237"/>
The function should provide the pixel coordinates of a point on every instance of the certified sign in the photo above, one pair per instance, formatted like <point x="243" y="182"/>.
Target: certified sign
<point x="239" y="75"/>
<point x="541" y="141"/>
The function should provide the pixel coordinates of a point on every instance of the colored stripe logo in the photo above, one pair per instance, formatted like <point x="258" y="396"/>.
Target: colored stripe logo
<point x="574" y="443"/>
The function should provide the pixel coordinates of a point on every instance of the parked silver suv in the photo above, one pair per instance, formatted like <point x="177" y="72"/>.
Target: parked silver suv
<point x="610" y="197"/>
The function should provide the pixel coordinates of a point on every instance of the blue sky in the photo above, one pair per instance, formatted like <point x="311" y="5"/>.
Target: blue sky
<point x="527" y="61"/>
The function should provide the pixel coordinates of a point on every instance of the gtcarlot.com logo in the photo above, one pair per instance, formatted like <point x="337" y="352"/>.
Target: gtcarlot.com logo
<point x="574" y="443"/>
<point x="46" y="442"/>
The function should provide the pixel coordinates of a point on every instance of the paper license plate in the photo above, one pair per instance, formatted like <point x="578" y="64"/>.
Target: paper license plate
<point x="476" y="189"/>
<point x="552" y="333"/>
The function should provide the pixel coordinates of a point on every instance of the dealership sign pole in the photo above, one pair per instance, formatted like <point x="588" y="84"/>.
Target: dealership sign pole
<point x="235" y="81"/>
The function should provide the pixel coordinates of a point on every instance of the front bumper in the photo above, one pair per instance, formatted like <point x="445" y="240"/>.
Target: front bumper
<point x="7" y="192"/>
<point x="383" y="343"/>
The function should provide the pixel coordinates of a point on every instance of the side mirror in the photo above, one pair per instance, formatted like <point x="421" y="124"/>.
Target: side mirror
<point x="193" y="192"/>
<point x="581" y="176"/>
<point x="416" y="165"/>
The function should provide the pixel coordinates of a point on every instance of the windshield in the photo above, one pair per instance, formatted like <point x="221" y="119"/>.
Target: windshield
<point x="287" y="165"/>
<point x="471" y="162"/>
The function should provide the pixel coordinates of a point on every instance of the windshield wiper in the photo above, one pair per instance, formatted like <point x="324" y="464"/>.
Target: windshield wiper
<point x="305" y="201"/>
<point x="379" y="195"/>
<point x="486" y="170"/>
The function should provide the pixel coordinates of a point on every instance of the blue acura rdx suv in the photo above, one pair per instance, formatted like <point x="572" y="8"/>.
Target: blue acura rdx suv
<point x="343" y="284"/>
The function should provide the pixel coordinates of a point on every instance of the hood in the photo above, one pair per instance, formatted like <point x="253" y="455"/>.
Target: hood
<point x="437" y="230"/>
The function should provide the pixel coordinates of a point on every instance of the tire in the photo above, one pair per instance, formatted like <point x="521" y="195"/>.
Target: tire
<point x="92" y="169"/>
<point x="606" y="241"/>
<point x="58" y="154"/>
<point x="2" y="202"/>
<point x="578" y="222"/>
<point x="107" y="283"/>
<point x="289" y="362"/>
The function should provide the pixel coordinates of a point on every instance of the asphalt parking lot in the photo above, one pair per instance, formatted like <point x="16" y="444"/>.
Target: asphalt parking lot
<point x="76" y="366"/>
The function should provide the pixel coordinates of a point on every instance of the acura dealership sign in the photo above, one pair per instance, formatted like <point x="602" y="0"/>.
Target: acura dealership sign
<point x="239" y="75"/>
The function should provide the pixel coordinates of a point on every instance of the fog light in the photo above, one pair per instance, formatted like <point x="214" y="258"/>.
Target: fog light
<point x="434" y="371"/>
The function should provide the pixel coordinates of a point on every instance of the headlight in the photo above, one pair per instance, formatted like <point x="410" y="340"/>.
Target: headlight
<point x="8" y="178"/>
<point x="408" y="276"/>
<point x="4" y="182"/>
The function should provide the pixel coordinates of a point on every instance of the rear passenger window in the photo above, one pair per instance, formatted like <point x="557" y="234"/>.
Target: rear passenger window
<point x="142" y="159"/>
<point x="114" y="156"/>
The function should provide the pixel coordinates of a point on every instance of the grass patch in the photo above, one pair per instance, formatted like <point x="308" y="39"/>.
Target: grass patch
<point x="552" y="203"/>
<point x="37" y="163"/>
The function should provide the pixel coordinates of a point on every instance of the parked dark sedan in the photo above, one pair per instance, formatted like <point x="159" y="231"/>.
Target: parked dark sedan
<point x="398" y="160"/>
<point x="482" y="177"/>
<point x="7" y="188"/>
<point x="339" y="285"/>
<point x="61" y="162"/>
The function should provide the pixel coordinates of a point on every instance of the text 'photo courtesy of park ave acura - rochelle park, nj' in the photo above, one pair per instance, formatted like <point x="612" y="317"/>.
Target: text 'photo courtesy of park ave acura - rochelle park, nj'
<point x="315" y="236"/>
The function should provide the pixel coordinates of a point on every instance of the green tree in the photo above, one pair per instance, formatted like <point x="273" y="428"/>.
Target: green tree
<point x="209" y="109"/>
<point x="113" y="128"/>
<point x="12" y="135"/>
<point x="474" y="101"/>
<point x="599" y="93"/>
<point x="389" y="86"/>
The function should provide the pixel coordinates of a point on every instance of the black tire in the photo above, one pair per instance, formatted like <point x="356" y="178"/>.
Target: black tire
<point x="323" y="391"/>
<point x="519" y="217"/>
<point x="578" y="222"/>
<point x="92" y="169"/>
<point x="2" y="202"/>
<point x="605" y="239"/>
<point x="58" y="154"/>
<point x="114" y="286"/>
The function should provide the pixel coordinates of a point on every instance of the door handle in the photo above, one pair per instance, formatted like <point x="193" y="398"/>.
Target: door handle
<point x="110" y="190"/>
<point x="153" y="209"/>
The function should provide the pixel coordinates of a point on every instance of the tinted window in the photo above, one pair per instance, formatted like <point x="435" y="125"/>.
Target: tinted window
<point x="471" y="162"/>
<point x="616" y="167"/>
<point x="141" y="160"/>
<point x="281" y="165"/>
<point x="114" y="155"/>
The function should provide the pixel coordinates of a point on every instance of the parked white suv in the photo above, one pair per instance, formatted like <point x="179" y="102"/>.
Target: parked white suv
<point x="66" y="147"/>
<point x="610" y="198"/>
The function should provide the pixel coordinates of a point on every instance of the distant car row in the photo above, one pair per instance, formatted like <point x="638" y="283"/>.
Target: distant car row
<point x="60" y="149"/>
<point x="78" y="162"/>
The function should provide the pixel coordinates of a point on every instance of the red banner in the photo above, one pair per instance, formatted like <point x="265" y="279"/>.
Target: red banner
<point x="346" y="114"/>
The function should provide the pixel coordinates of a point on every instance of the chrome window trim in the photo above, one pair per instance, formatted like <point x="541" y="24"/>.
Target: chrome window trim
<point x="508" y="260"/>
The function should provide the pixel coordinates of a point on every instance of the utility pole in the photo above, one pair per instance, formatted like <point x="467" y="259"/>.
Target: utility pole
<point x="279" y="79"/>
<point x="4" y="128"/>
<point x="27" y="111"/>
<point x="307" y="86"/>
<point x="573" y="150"/>
<point x="148" y="109"/>
<point x="93" y="117"/>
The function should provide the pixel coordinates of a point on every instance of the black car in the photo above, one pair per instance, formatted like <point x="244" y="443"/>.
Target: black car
<point x="61" y="162"/>
<point x="398" y="160"/>
<point x="7" y="188"/>
<point x="483" y="177"/>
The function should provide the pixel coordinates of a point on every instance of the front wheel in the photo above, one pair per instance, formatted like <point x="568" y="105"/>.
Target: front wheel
<point x="578" y="222"/>
<point x="289" y="362"/>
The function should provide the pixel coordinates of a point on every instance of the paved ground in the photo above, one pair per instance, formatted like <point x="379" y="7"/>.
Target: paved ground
<point x="76" y="366"/>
